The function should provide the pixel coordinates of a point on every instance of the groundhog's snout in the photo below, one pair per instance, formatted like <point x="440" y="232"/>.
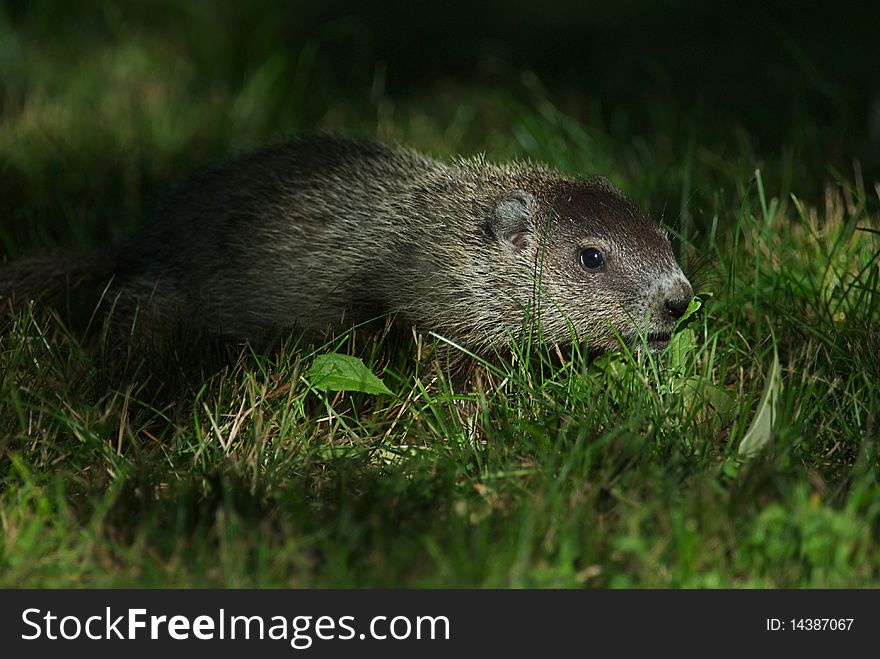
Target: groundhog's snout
<point x="675" y="295"/>
<point x="677" y="298"/>
<point x="676" y="307"/>
<point x="667" y="302"/>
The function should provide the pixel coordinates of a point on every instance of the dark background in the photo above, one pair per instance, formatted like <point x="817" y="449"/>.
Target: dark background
<point x="792" y="88"/>
<point x="763" y="64"/>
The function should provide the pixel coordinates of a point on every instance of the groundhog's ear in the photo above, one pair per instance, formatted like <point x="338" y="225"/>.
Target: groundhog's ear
<point x="512" y="219"/>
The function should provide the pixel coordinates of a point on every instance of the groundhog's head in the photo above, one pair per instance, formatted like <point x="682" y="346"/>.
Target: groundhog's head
<point x="599" y="263"/>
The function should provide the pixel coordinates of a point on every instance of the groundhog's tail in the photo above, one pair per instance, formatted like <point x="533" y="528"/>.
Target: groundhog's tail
<point x="52" y="278"/>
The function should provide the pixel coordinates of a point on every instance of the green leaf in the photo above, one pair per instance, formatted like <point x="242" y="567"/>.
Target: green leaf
<point x="714" y="400"/>
<point x="335" y="372"/>
<point x="681" y="345"/>
<point x="760" y="432"/>
<point x="693" y="307"/>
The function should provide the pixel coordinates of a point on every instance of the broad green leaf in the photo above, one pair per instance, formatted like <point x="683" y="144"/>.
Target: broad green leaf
<point x="760" y="431"/>
<point x="335" y="372"/>
<point x="681" y="345"/>
<point x="693" y="306"/>
<point x="713" y="401"/>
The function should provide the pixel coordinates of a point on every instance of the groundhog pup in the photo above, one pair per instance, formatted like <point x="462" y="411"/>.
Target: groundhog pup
<point x="322" y="233"/>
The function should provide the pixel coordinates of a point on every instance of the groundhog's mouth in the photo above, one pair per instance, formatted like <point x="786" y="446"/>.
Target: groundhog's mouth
<point x="655" y="341"/>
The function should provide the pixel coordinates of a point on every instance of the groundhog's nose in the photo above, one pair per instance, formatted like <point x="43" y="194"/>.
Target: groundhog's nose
<point x="678" y="298"/>
<point x="676" y="307"/>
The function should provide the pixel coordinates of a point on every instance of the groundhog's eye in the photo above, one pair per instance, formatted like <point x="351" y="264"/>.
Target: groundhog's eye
<point x="592" y="259"/>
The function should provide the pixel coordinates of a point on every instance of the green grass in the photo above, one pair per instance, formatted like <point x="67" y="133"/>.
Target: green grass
<point x="203" y="465"/>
